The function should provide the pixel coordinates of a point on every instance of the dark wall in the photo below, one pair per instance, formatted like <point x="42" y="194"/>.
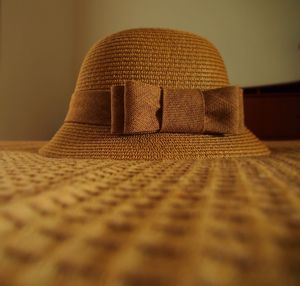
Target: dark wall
<point x="273" y="112"/>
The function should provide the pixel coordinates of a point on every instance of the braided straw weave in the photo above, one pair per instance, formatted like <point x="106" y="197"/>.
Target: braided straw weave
<point x="140" y="223"/>
<point x="161" y="57"/>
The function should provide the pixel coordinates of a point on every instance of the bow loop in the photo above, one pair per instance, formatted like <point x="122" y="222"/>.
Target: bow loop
<point x="134" y="108"/>
<point x="224" y="110"/>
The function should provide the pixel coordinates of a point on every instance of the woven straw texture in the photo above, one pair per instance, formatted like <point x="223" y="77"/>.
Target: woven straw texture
<point x="138" y="223"/>
<point x="89" y="141"/>
<point x="162" y="57"/>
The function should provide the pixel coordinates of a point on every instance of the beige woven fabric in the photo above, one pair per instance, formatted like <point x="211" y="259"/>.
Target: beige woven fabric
<point x="105" y="222"/>
<point x="162" y="57"/>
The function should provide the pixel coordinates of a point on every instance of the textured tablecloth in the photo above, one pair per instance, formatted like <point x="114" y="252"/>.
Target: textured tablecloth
<point x="204" y="222"/>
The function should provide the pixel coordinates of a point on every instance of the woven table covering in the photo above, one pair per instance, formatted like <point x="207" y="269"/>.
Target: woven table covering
<point x="204" y="222"/>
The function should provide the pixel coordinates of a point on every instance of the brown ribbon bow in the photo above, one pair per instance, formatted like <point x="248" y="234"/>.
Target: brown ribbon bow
<point x="136" y="107"/>
<point x="139" y="108"/>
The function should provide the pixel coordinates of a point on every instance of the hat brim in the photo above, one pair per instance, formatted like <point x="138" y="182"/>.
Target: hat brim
<point x="76" y="140"/>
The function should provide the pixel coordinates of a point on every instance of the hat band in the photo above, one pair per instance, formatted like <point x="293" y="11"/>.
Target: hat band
<point x="137" y="107"/>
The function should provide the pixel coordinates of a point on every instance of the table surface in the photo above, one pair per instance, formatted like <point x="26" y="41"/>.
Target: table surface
<point x="104" y="222"/>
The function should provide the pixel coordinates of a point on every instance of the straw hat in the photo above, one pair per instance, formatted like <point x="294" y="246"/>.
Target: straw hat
<point x="154" y="94"/>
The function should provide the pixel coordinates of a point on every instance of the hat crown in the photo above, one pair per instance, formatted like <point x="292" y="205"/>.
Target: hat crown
<point x="163" y="57"/>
